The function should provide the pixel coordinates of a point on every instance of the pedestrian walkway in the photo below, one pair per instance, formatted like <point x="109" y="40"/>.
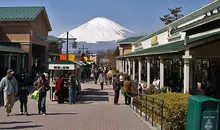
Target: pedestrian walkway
<point x="95" y="111"/>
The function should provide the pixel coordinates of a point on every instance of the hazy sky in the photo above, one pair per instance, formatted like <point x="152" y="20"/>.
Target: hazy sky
<point x="137" y="15"/>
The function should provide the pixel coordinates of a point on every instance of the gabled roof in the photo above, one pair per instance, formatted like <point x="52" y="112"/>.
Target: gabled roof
<point x="209" y="7"/>
<point x="130" y="39"/>
<point x="51" y="38"/>
<point x="26" y="13"/>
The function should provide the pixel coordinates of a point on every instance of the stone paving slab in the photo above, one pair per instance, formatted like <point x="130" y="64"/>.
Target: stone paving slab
<point x="98" y="115"/>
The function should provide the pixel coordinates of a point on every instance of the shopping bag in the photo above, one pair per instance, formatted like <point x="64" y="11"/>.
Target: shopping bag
<point x="35" y="95"/>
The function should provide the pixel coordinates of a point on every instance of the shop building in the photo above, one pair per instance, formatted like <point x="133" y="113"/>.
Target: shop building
<point x="54" y="51"/>
<point x="125" y="47"/>
<point x="185" y="52"/>
<point x="24" y="32"/>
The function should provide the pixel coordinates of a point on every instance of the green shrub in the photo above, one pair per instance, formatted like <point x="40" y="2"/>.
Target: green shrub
<point x="174" y="111"/>
<point x="153" y="90"/>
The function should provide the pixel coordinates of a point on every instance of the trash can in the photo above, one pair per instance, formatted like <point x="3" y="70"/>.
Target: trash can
<point x="203" y="113"/>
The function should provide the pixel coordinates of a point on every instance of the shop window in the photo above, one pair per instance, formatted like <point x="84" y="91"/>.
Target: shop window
<point x="200" y="72"/>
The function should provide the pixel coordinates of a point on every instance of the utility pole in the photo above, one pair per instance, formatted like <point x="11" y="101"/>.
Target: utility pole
<point x="67" y="39"/>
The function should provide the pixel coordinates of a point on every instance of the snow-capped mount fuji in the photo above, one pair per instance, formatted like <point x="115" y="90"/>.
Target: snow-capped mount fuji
<point x="99" y="30"/>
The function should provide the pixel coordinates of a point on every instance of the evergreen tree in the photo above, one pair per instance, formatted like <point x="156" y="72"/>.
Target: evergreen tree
<point x="175" y="13"/>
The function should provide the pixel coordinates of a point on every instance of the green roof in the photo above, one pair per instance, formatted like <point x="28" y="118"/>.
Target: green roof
<point x="11" y="49"/>
<point x="25" y="13"/>
<point x="197" y="13"/>
<point x="130" y="39"/>
<point x="51" y="38"/>
<point x="61" y="62"/>
<point x="160" y="49"/>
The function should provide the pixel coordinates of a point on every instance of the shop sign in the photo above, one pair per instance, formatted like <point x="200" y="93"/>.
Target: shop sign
<point x="154" y="41"/>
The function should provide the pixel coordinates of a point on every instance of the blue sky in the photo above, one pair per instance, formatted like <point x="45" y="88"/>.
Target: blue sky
<point x="141" y="16"/>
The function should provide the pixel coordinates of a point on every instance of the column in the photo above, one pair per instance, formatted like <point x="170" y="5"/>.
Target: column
<point x="139" y="69"/>
<point x="120" y="65"/>
<point x="161" y="73"/>
<point x="186" y="58"/>
<point x="129" y="67"/>
<point x="23" y="59"/>
<point x="133" y="72"/>
<point x="9" y="61"/>
<point x="123" y="66"/>
<point x="148" y="71"/>
<point x="126" y="66"/>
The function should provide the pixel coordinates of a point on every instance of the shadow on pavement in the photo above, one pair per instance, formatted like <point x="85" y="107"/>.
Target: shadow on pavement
<point x="22" y="127"/>
<point x="93" y="93"/>
<point x="16" y="122"/>
<point x="90" y="98"/>
<point x="48" y="114"/>
<point x="61" y="113"/>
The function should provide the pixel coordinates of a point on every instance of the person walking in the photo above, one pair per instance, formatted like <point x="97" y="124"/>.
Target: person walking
<point x="23" y="92"/>
<point x="127" y="85"/>
<point x="116" y="88"/>
<point x="101" y="79"/>
<point x="59" y="89"/>
<point x="42" y="86"/>
<point x="9" y="86"/>
<point x="72" y="89"/>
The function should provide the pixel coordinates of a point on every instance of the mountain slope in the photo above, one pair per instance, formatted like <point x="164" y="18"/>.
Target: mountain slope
<point x="99" y="30"/>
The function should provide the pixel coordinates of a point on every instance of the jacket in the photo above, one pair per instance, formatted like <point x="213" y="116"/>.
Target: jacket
<point x="9" y="86"/>
<point x="42" y="87"/>
<point x="59" y="84"/>
<point x="127" y="85"/>
<point x="101" y="78"/>
<point x="116" y="83"/>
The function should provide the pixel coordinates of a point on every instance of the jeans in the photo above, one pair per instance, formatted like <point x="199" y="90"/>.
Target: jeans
<point x="127" y="98"/>
<point x="23" y="105"/>
<point x="42" y="103"/>
<point x="72" y="96"/>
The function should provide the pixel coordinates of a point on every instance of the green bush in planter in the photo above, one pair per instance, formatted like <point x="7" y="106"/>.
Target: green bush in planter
<point x="174" y="111"/>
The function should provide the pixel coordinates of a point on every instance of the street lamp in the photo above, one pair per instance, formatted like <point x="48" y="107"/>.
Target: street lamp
<point x="62" y="41"/>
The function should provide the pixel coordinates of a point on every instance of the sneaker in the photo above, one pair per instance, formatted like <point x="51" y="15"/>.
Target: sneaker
<point x="44" y="114"/>
<point x="22" y="113"/>
<point x="7" y="114"/>
<point x="26" y="114"/>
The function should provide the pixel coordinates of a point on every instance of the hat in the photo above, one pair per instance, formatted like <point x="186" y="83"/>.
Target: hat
<point x="10" y="71"/>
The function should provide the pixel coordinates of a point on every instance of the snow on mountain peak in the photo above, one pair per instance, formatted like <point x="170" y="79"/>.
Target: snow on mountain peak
<point x="99" y="29"/>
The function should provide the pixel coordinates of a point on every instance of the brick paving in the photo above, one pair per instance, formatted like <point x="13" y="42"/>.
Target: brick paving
<point x="96" y="113"/>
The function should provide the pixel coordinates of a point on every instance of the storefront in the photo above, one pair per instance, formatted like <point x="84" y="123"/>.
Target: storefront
<point x="185" y="52"/>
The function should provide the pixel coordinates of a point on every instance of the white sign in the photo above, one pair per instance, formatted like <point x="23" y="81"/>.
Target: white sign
<point x="208" y="124"/>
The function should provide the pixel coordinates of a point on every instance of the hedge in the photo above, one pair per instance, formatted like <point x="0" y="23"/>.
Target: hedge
<point x="174" y="111"/>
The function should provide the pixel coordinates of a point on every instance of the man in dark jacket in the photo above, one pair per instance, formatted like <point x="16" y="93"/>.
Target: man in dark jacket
<point x="116" y="88"/>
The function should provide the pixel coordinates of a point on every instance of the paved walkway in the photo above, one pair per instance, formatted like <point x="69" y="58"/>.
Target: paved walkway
<point x="94" y="112"/>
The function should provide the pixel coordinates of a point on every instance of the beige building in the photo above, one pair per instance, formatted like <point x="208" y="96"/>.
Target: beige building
<point x="23" y="38"/>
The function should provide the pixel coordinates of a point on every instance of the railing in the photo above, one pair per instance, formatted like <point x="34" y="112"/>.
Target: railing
<point x="149" y="101"/>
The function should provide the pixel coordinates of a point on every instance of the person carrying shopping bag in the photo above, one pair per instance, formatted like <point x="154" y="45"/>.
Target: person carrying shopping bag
<point x="42" y="86"/>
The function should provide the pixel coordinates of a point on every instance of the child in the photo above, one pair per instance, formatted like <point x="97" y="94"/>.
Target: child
<point x="23" y="94"/>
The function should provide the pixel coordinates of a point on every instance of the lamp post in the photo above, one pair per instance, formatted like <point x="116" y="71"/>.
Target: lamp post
<point x="62" y="40"/>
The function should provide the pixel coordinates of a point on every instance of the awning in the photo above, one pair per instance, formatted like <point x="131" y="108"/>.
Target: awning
<point x="11" y="49"/>
<point x="173" y="47"/>
<point x="53" y="54"/>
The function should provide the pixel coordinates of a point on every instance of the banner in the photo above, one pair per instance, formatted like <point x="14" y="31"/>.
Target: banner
<point x="71" y="57"/>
